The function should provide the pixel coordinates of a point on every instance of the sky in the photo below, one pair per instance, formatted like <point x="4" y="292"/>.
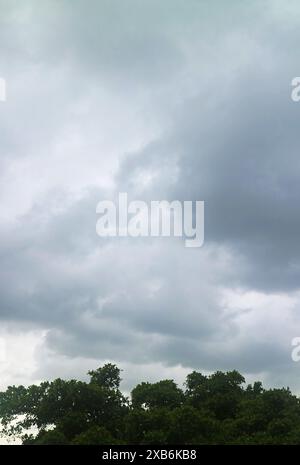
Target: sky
<point x="173" y="99"/>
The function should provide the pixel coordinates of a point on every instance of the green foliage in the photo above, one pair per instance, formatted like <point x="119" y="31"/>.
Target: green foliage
<point x="162" y="394"/>
<point x="107" y="376"/>
<point x="215" y="409"/>
<point x="96" y="435"/>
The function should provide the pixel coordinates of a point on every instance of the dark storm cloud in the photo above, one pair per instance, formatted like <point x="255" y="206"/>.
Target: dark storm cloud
<point x="239" y="153"/>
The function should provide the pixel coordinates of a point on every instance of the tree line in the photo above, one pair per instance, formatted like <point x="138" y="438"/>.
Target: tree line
<point x="214" y="409"/>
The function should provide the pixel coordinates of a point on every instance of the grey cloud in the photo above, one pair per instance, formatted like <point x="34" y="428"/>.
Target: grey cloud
<point x="239" y="153"/>
<point x="213" y="87"/>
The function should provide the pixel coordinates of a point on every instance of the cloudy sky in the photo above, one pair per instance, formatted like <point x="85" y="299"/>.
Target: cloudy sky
<point x="173" y="99"/>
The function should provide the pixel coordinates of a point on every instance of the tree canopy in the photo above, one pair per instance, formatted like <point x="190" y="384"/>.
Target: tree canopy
<point x="215" y="409"/>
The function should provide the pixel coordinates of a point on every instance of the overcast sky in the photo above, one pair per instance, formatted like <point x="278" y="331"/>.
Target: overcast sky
<point x="172" y="99"/>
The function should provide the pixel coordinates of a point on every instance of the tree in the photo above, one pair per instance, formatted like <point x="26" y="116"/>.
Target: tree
<point x="108" y="376"/>
<point x="67" y="407"/>
<point x="215" y="409"/>
<point x="164" y="393"/>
